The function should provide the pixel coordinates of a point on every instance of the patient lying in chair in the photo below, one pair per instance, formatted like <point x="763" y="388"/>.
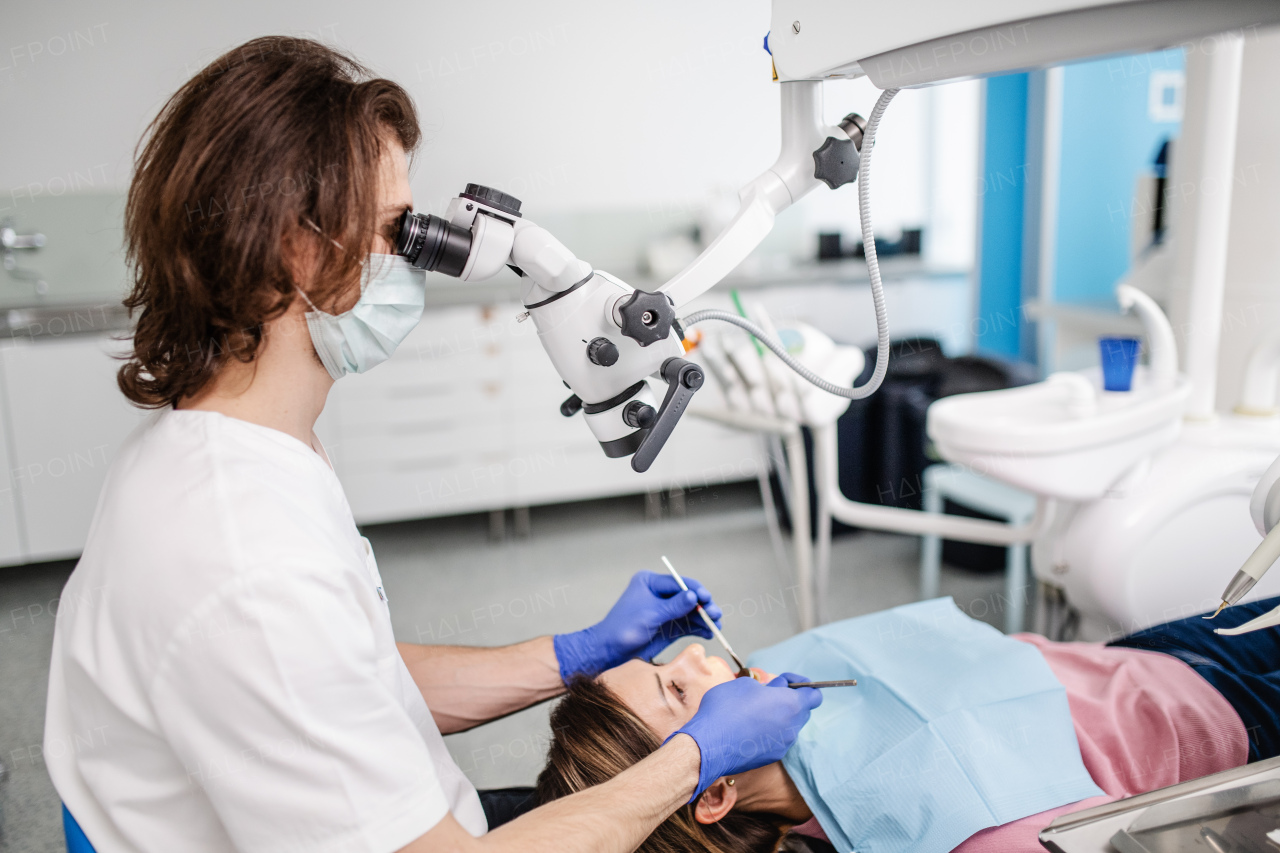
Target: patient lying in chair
<point x="990" y="764"/>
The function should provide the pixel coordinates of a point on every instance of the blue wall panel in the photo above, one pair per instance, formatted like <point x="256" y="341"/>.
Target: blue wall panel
<point x="1110" y="135"/>
<point x="997" y="326"/>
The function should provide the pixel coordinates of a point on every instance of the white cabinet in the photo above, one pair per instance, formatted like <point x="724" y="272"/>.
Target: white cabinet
<point x="11" y="545"/>
<point x="416" y="436"/>
<point x="65" y="419"/>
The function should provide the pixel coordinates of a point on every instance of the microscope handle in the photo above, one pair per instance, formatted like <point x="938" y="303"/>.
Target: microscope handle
<point x="683" y="379"/>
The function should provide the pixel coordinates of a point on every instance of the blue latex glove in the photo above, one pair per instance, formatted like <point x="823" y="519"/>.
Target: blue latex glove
<point x="652" y="613"/>
<point x="743" y="724"/>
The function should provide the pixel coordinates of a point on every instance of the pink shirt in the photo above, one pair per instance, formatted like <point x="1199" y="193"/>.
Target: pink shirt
<point x="1144" y="720"/>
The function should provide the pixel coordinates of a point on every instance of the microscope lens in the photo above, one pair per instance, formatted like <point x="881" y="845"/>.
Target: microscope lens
<point x="433" y="244"/>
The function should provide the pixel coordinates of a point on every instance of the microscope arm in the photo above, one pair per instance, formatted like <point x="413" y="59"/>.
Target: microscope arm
<point x="812" y="153"/>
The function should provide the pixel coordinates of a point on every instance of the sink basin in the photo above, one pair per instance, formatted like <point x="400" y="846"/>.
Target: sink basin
<point x="1064" y="437"/>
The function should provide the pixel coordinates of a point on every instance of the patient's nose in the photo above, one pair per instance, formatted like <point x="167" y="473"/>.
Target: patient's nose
<point x="694" y="657"/>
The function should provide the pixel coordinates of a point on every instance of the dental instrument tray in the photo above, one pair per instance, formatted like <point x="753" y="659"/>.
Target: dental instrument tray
<point x="1235" y="811"/>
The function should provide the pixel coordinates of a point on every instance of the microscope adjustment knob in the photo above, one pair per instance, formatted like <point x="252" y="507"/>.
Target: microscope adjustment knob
<point x="496" y="199"/>
<point x="647" y="317"/>
<point x="856" y="126"/>
<point x="836" y="162"/>
<point x="571" y="406"/>
<point x="603" y="352"/>
<point x="638" y="415"/>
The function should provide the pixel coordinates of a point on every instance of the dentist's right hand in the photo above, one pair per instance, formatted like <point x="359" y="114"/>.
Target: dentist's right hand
<point x="743" y="724"/>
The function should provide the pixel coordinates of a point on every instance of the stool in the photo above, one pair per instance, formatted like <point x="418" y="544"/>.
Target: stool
<point x="990" y="498"/>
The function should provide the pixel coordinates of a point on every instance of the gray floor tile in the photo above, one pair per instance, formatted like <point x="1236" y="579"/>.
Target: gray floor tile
<point x="30" y="812"/>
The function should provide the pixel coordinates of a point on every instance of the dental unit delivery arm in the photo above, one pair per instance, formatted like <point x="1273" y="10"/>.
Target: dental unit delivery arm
<point x="1265" y="509"/>
<point x="605" y="338"/>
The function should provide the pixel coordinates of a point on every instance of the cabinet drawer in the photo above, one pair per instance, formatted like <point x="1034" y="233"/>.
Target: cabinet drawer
<point x="394" y="492"/>
<point x="413" y="443"/>
<point x="398" y="404"/>
<point x="68" y="418"/>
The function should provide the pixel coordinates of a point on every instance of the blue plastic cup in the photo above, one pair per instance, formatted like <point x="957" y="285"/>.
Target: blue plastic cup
<point x="1119" y="358"/>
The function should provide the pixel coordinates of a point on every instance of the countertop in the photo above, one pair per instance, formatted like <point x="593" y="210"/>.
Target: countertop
<point x="55" y="320"/>
<point x="62" y="320"/>
<point x="443" y="291"/>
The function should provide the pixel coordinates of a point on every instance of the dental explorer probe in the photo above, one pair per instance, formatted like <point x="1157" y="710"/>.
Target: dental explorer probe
<point x="849" y="682"/>
<point x="1267" y="552"/>
<point x="743" y="672"/>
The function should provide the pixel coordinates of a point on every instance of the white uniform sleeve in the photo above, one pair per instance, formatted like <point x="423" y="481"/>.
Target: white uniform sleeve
<point x="271" y="697"/>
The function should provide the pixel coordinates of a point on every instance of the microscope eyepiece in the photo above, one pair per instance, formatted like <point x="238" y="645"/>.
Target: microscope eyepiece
<point x="432" y="243"/>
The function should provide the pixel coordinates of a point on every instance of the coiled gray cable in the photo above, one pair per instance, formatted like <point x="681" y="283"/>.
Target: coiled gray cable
<point x="873" y="271"/>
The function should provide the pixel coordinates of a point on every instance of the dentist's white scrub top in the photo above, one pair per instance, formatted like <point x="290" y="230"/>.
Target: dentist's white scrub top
<point x="224" y="674"/>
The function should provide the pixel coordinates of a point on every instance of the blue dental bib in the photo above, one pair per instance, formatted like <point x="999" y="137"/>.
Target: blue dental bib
<point x="953" y="728"/>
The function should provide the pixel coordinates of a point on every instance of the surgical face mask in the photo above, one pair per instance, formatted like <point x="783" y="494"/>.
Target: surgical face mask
<point x="392" y="295"/>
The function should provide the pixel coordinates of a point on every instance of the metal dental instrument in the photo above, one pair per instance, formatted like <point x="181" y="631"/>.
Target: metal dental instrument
<point x="1264" y="506"/>
<point x="1263" y="557"/>
<point x="852" y="682"/>
<point x="743" y="672"/>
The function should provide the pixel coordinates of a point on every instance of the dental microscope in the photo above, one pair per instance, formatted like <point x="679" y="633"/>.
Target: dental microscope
<point x="604" y="336"/>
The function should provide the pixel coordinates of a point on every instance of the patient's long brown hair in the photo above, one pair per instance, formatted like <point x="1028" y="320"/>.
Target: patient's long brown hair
<point x="596" y="737"/>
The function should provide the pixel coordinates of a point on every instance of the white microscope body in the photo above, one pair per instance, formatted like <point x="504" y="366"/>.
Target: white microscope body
<point x="582" y="317"/>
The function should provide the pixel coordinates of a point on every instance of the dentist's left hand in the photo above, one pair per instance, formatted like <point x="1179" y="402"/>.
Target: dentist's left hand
<point x="652" y="613"/>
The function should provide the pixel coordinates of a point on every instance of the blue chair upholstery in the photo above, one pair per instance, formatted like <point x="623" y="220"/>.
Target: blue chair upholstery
<point x="76" y="840"/>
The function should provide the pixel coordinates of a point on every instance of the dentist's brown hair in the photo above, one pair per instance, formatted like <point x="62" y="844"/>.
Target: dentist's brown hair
<point x="274" y="134"/>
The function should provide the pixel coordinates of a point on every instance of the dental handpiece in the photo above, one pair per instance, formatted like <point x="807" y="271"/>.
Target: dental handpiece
<point x="1262" y="558"/>
<point x="743" y="672"/>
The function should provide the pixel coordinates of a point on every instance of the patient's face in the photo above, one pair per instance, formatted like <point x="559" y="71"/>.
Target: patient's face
<point x="665" y="696"/>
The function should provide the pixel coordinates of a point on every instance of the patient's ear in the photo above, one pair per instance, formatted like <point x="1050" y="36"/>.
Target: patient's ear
<point x="715" y="802"/>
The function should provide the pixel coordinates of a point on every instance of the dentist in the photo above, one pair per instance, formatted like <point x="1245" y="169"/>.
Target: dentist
<point x="224" y="673"/>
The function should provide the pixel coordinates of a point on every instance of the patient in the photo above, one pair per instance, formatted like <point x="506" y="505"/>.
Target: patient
<point x="1167" y="704"/>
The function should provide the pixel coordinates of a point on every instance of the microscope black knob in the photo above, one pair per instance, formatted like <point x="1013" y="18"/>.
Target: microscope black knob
<point x="603" y="352"/>
<point x="647" y="317"/>
<point x="639" y="415"/>
<point x="571" y="406"/>
<point x="836" y="162"/>
<point x="496" y="199"/>
<point x="856" y="126"/>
